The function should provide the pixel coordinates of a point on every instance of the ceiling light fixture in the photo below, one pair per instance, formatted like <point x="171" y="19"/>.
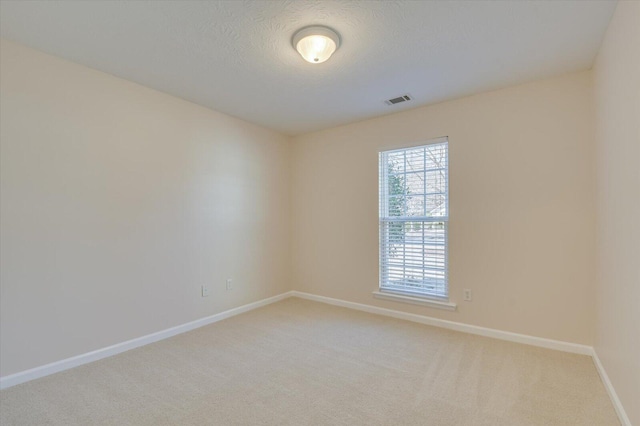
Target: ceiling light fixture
<point x="316" y="44"/>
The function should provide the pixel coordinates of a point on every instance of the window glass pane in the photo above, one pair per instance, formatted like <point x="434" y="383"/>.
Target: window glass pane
<point x="415" y="160"/>
<point x="415" y="205"/>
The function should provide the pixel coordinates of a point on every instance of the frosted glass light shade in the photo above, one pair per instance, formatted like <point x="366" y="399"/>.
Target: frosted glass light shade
<point x="316" y="44"/>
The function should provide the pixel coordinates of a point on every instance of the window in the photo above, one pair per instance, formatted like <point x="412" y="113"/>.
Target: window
<point x="414" y="215"/>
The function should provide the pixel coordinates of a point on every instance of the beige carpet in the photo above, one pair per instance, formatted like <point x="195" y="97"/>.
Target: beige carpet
<point x="298" y="362"/>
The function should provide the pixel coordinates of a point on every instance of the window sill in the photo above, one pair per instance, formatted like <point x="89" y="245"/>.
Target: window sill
<point x="439" y="304"/>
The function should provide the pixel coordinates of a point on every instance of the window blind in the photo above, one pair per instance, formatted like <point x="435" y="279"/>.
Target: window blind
<point x="414" y="215"/>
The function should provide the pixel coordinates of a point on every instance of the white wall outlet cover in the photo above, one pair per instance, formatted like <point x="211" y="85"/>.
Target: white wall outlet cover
<point x="205" y="291"/>
<point x="229" y="283"/>
<point x="467" y="295"/>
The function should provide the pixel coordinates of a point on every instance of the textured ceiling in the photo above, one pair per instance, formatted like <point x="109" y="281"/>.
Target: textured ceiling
<point x="236" y="56"/>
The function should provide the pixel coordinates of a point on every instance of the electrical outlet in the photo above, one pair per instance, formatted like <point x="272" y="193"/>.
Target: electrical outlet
<point x="229" y="283"/>
<point x="467" y="295"/>
<point x="205" y="291"/>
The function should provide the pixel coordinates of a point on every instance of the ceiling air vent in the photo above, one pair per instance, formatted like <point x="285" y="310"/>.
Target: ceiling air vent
<point x="398" y="100"/>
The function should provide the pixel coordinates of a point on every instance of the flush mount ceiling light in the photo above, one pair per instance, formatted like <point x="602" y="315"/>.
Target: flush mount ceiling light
<point x="316" y="44"/>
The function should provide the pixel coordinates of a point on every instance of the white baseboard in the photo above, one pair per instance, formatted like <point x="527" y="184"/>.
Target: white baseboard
<point x="622" y="415"/>
<point x="452" y="325"/>
<point x="65" y="364"/>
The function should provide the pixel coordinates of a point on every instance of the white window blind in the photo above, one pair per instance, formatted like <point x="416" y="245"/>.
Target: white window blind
<point x="414" y="215"/>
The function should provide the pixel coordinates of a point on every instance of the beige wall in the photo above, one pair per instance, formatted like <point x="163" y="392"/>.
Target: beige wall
<point x="522" y="214"/>
<point x="119" y="202"/>
<point x="617" y="95"/>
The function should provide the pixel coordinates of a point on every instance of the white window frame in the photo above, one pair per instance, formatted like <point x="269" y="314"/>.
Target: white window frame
<point x="433" y="299"/>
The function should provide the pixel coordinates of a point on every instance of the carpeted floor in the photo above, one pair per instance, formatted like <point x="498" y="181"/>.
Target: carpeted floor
<point x="298" y="362"/>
